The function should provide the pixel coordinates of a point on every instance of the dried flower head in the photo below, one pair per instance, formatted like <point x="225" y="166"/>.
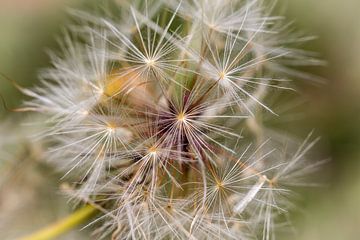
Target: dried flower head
<point x="146" y="112"/>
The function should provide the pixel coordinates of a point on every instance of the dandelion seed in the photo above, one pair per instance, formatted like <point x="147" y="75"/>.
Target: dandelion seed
<point x="147" y="116"/>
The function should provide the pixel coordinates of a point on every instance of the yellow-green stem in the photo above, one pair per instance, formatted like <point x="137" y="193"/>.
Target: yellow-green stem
<point x="62" y="226"/>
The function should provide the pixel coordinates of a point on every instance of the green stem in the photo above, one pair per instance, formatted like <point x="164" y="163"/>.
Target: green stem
<point x="62" y="226"/>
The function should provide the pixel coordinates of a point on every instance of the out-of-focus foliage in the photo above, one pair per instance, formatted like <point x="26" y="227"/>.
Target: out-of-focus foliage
<point x="334" y="212"/>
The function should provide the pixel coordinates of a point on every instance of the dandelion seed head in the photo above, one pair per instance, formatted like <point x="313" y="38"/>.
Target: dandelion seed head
<point x="147" y="111"/>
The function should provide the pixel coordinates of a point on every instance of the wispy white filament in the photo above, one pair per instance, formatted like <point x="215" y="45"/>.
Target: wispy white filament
<point x="155" y="114"/>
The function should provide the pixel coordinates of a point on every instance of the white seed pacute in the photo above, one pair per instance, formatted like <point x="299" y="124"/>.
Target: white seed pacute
<point x="146" y="111"/>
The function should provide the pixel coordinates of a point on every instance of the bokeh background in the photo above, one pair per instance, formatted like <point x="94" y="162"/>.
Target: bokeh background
<point x="29" y="27"/>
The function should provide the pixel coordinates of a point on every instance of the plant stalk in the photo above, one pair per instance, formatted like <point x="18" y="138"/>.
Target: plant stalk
<point x="62" y="226"/>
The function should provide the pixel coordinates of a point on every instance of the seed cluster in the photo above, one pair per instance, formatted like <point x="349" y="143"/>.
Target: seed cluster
<point x="146" y="113"/>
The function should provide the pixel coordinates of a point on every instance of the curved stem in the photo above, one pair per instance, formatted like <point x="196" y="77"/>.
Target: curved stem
<point x="62" y="226"/>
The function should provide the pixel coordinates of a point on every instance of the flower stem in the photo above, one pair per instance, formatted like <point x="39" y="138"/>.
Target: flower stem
<point x="62" y="226"/>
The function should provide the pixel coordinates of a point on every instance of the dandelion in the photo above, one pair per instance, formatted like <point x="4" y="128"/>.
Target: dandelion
<point x="150" y="115"/>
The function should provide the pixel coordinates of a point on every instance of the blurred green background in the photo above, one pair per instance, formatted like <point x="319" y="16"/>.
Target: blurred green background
<point x="29" y="27"/>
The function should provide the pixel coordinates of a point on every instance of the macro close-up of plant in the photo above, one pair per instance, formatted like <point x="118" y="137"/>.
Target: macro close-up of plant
<point x="169" y="120"/>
